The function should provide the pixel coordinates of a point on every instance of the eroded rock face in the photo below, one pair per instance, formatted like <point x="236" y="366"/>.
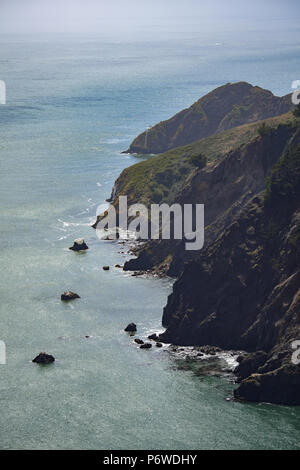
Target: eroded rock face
<point x="69" y="295"/>
<point x="249" y="364"/>
<point x="224" y="187"/>
<point x="43" y="358"/>
<point x="79" y="245"/>
<point x="243" y="292"/>
<point x="280" y="386"/>
<point x="225" y="107"/>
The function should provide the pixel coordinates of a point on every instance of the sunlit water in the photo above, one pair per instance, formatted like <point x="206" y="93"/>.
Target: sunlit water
<point x="73" y="104"/>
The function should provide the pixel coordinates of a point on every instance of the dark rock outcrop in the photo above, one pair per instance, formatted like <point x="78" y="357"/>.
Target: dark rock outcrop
<point x="146" y="346"/>
<point x="225" y="107"/>
<point x="68" y="295"/>
<point x="281" y="386"/>
<point x="249" y="364"/>
<point x="79" y="245"/>
<point x="105" y="268"/>
<point x="131" y="328"/>
<point x="43" y="358"/>
<point x="139" y="341"/>
<point x="244" y="290"/>
<point x="153" y="337"/>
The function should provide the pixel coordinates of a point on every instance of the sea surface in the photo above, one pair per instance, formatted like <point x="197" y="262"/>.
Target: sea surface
<point x="73" y="104"/>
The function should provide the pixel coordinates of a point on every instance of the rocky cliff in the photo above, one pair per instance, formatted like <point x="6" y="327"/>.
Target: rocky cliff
<point x="243" y="292"/>
<point x="226" y="107"/>
<point x="224" y="186"/>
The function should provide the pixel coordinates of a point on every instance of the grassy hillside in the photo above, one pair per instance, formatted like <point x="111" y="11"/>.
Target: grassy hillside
<point x="161" y="178"/>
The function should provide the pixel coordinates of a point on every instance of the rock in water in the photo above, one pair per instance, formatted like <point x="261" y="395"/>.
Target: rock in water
<point x="146" y="346"/>
<point x="68" y="295"/>
<point x="79" y="245"/>
<point x="105" y="268"/>
<point x="131" y="327"/>
<point x="158" y="345"/>
<point x="153" y="337"/>
<point x="139" y="341"/>
<point x="43" y="358"/>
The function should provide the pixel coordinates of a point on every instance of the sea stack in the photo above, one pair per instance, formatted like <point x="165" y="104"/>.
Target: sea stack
<point x="43" y="358"/>
<point x="131" y="328"/>
<point x="79" y="245"/>
<point x="68" y="295"/>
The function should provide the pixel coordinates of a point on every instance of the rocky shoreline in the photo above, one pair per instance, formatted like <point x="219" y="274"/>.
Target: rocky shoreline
<point x="239" y="297"/>
<point x="241" y="292"/>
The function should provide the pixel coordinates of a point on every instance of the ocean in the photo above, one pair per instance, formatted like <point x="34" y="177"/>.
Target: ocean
<point x="73" y="104"/>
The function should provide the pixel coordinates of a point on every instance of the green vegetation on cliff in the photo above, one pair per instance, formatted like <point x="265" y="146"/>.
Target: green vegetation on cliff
<point x="297" y="111"/>
<point x="284" y="181"/>
<point x="161" y="178"/>
<point x="224" y="186"/>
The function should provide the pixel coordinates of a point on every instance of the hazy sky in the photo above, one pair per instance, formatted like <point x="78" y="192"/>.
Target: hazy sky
<point x="96" y="15"/>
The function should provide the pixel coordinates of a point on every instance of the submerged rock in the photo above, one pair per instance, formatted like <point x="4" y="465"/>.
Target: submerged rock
<point x="131" y="328"/>
<point x="43" y="358"/>
<point x="146" y="346"/>
<point x="79" y="245"/>
<point x="118" y="266"/>
<point x="68" y="295"/>
<point x="139" y="341"/>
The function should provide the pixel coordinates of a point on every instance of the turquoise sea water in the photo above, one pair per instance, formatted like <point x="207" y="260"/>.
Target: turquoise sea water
<point x="73" y="104"/>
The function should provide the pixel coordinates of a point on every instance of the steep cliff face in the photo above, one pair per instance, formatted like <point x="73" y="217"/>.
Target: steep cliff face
<point x="226" y="107"/>
<point x="243" y="292"/>
<point x="224" y="187"/>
